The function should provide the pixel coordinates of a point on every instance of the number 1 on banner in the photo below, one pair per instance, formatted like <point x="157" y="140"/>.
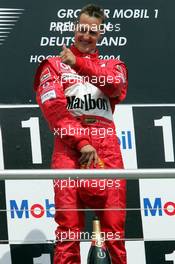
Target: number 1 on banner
<point x="156" y="13"/>
<point x="165" y="123"/>
<point x="33" y="124"/>
<point x="170" y="257"/>
<point x="43" y="259"/>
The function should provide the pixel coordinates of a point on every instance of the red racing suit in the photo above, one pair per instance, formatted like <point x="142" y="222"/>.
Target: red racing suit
<point x="82" y="99"/>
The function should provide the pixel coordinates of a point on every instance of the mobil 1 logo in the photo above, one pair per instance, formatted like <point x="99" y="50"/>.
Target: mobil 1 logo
<point x="160" y="252"/>
<point x="155" y="136"/>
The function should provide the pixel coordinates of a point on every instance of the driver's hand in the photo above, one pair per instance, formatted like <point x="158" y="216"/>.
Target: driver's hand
<point x="88" y="155"/>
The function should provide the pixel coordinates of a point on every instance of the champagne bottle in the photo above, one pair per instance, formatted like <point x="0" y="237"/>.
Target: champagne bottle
<point x="98" y="253"/>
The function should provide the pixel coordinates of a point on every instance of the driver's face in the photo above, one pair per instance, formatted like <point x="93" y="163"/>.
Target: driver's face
<point x="87" y="33"/>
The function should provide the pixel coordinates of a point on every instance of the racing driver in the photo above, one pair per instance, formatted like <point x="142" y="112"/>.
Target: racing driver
<point x="77" y="92"/>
